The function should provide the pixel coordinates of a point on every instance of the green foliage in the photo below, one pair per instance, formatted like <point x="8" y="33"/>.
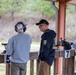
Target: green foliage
<point x="41" y="6"/>
<point x="45" y="8"/>
<point x="11" y="5"/>
<point x="71" y="8"/>
<point x="2" y="7"/>
<point x="28" y="6"/>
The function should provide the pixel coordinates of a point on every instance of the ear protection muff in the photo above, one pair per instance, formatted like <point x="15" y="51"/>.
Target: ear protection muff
<point x="24" y="26"/>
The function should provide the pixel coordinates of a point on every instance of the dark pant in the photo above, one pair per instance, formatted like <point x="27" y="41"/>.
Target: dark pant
<point x="18" y="68"/>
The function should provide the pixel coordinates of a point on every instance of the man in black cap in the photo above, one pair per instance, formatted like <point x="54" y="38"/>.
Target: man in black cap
<point x="46" y="53"/>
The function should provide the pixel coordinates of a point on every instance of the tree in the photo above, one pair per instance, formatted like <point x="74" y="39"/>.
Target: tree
<point x="45" y="8"/>
<point x="11" y="5"/>
<point x="41" y="6"/>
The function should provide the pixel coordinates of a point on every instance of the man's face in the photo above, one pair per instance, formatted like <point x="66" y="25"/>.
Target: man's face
<point x="42" y="27"/>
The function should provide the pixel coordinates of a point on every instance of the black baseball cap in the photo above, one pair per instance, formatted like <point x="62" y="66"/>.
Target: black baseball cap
<point x="42" y="21"/>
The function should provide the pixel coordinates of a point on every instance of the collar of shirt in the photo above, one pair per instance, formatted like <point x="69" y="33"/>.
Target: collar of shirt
<point x="47" y="30"/>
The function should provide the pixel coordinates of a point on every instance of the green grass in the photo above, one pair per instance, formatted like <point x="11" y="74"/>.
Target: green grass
<point x="2" y="69"/>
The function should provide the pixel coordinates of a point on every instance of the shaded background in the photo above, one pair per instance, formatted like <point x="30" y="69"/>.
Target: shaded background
<point x="30" y="12"/>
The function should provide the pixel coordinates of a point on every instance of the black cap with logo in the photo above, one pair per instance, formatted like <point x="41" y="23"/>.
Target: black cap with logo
<point x="42" y="21"/>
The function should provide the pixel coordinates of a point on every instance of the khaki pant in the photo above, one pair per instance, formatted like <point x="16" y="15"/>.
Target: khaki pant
<point x="44" y="68"/>
<point x="18" y="68"/>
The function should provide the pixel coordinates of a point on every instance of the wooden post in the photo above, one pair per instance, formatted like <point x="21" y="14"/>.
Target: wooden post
<point x="71" y="66"/>
<point x="31" y="67"/>
<point x="8" y="69"/>
<point x="37" y="67"/>
<point x="61" y="31"/>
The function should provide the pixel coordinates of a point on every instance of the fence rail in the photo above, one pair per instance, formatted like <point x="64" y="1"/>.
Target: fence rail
<point x="68" y="63"/>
